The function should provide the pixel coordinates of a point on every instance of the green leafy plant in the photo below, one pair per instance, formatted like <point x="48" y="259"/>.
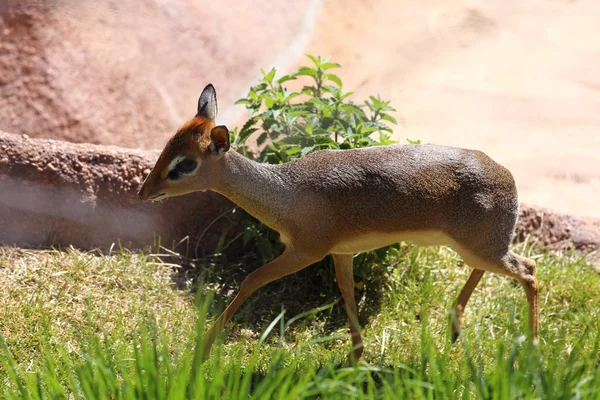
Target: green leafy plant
<point x="318" y="116"/>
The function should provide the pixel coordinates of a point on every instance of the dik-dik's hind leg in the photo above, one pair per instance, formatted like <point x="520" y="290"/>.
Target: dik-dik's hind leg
<point x="345" y="280"/>
<point x="529" y="282"/>
<point x="463" y="298"/>
<point x="290" y="261"/>
<point x="520" y="268"/>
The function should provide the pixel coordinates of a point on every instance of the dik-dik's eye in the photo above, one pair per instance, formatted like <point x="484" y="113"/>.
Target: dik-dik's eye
<point x="183" y="167"/>
<point x="187" y="165"/>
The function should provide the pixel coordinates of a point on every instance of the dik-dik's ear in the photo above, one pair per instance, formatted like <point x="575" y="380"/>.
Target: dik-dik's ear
<point x="219" y="140"/>
<point x="207" y="103"/>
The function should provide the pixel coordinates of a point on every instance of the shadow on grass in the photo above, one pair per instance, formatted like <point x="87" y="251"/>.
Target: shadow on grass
<point x="220" y="276"/>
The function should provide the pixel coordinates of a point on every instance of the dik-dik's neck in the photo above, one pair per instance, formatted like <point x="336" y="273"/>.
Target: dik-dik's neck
<point x="260" y="189"/>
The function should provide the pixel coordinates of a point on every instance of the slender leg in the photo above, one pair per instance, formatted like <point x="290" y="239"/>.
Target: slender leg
<point x="529" y="282"/>
<point x="290" y="261"/>
<point x="463" y="298"/>
<point x="515" y="266"/>
<point x="531" y="290"/>
<point x="345" y="280"/>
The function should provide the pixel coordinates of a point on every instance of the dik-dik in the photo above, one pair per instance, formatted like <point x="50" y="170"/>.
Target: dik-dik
<point x="345" y="202"/>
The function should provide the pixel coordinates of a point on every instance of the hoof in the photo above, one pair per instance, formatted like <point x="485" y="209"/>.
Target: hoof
<point x="455" y="336"/>
<point x="354" y="357"/>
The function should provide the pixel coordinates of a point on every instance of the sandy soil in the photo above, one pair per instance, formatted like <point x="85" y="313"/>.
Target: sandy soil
<point x="516" y="79"/>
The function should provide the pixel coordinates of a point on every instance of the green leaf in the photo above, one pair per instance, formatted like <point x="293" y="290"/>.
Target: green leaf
<point x="277" y="112"/>
<point x="376" y="126"/>
<point x="385" y="139"/>
<point x="314" y="59"/>
<point x="334" y="78"/>
<point x="286" y="78"/>
<point x="309" y="91"/>
<point x="353" y="109"/>
<point x="269" y="76"/>
<point x="306" y="71"/>
<point x="376" y="102"/>
<point x="249" y="125"/>
<point x="243" y="136"/>
<point x="261" y="139"/>
<point x="389" y="118"/>
<point x="290" y="96"/>
<point x="298" y="113"/>
<point x="345" y="95"/>
<point x="307" y="150"/>
<point x="260" y="87"/>
<point x="309" y="129"/>
<point x="269" y="101"/>
<point x="330" y="65"/>
<point x="291" y="150"/>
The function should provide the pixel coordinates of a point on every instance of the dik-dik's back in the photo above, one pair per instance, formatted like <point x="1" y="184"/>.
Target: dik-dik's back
<point x="410" y="188"/>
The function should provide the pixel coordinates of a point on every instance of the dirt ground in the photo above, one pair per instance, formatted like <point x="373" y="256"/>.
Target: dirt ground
<point x="518" y="80"/>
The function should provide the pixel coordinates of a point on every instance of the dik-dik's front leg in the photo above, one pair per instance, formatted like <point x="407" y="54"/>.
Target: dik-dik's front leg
<point x="463" y="298"/>
<point x="345" y="279"/>
<point x="290" y="261"/>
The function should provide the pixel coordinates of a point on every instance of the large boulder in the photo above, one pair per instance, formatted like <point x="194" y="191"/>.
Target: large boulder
<point x="129" y="72"/>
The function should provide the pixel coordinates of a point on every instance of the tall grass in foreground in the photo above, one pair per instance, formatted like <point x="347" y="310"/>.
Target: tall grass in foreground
<point x="70" y="328"/>
<point x="157" y="371"/>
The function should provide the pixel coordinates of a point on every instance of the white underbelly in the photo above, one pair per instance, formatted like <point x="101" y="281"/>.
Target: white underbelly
<point x="372" y="241"/>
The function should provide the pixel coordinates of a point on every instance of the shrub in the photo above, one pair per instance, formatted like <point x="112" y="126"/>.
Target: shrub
<point x="292" y="124"/>
<point x="318" y="117"/>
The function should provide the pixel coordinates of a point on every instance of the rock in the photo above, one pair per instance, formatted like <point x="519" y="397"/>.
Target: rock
<point x="87" y="205"/>
<point x="97" y="72"/>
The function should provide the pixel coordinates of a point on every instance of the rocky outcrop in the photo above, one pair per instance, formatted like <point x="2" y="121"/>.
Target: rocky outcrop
<point x="58" y="193"/>
<point x="558" y="231"/>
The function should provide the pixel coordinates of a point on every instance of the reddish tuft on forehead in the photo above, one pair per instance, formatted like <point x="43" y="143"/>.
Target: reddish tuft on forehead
<point x="193" y="138"/>
<point x="195" y="125"/>
<point x="196" y="130"/>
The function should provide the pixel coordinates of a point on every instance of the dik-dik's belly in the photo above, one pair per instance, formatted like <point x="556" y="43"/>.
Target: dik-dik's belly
<point x="375" y="240"/>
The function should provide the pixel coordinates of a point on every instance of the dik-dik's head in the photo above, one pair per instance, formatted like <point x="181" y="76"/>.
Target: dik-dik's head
<point x="188" y="162"/>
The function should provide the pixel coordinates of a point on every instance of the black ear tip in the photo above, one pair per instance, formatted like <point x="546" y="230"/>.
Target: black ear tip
<point x="209" y="87"/>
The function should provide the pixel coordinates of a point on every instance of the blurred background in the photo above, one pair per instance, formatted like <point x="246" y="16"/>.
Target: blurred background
<point x="518" y="80"/>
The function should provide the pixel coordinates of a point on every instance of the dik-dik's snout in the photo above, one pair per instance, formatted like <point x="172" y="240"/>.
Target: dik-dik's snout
<point x="150" y="191"/>
<point x="143" y="193"/>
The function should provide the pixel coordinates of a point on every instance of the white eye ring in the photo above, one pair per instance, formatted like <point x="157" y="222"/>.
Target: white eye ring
<point x="174" y="163"/>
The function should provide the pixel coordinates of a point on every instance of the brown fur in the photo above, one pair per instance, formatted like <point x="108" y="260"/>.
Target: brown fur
<point x="343" y="202"/>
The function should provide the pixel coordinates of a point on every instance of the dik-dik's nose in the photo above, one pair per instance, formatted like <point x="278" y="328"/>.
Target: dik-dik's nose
<point x="143" y="193"/>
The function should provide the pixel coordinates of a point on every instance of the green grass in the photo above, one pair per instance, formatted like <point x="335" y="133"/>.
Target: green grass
<point x="125" y="326"/>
